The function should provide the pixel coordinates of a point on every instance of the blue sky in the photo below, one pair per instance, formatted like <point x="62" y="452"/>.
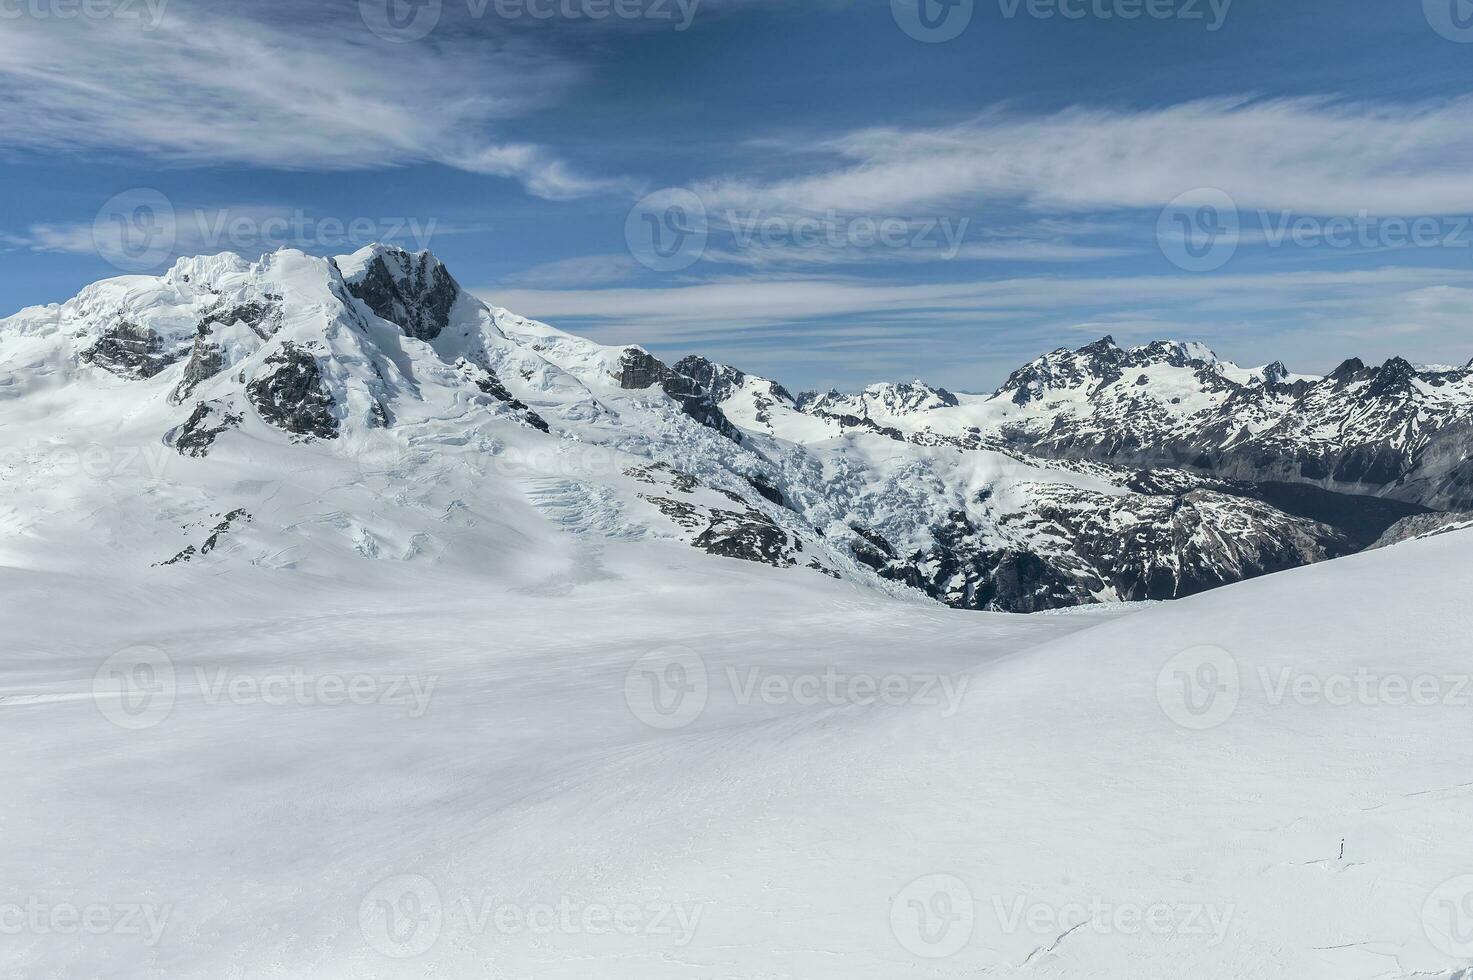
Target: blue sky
<point x="839" y="200"/>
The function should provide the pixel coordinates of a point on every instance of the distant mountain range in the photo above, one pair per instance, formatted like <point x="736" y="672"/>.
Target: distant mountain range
<point x="266" y="412"/>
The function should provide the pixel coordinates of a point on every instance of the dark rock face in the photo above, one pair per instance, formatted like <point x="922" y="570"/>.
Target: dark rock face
<point x="486" y="380"/>
<point x="695" y="402"/>
<point x="743" y="532"/>
<point x="769" y="492"/>
<point x="237" y="516"/>
<point x="1424" y="526"/>
<point x="638" y="370"/>
<point x="130" y="351"/>
<point x="206" y="359"/>
<point x="749" y="535"/>
<point x="293" y="397"/>
<point x="1089" y="547"/>
<point x="964" y="573"/>
<point x="198" y="433"/>
<point x="720" y="380"/>
<point x="414" y="291"/>
<point x="1361" y="519"/>
<point x="1393" y="430"/>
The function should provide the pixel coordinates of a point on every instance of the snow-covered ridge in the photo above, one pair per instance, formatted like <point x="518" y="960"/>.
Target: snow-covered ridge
<point x="295" y="410"/>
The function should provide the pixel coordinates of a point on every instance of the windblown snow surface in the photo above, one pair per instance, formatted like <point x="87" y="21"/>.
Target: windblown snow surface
<point x="640" y="769"/>
<point x="431" y="691"/>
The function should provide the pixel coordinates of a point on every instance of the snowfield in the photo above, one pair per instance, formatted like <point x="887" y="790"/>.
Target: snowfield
<point x="661" y="765"/>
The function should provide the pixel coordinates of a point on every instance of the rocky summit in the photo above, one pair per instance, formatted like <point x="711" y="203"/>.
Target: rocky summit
<point x="368" y="405"/>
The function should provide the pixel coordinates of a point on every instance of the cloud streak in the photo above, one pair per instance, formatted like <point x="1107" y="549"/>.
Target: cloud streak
<point x="1318" y="156"/>
<point x="208" y="85"/>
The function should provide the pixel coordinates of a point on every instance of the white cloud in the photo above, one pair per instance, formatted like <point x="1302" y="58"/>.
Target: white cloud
<point x="209" y="85"/>
<point x="1316" y="156"/>
<point x="588" y="270"/>
<point x="970" y="334"/>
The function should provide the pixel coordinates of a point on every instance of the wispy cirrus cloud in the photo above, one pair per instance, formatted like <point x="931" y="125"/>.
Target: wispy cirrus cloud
<point x="238" y="84"/>
<point x="970" y="334"/>
<point x="1316" y="155"/>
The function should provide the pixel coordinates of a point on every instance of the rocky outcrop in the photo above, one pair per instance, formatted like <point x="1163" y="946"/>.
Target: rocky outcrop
<point x="237" y="516"/>
<point x="1393" y="430"/>
<point x="730" y="528"/>
<point x="486" y="380"/>
<point x="198" y="433"/>
<point x="131" y="351"/>
<point x="292" y="395"/>
<point x="639" y="370"/>
<point x="1085" y="547"/>
<point x="1424" y="526"/>
<point x="414" y="291"/>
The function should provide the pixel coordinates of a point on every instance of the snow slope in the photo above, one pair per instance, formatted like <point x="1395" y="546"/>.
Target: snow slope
<point x="1040" y="799"/>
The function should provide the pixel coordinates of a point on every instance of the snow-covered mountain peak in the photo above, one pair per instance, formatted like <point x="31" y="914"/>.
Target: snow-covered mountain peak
<point x="378" y="363"/>
<point x="1082" y="371"/>
<point x="412" y="289"/>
